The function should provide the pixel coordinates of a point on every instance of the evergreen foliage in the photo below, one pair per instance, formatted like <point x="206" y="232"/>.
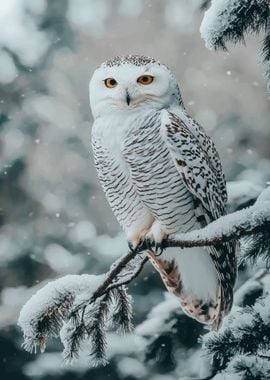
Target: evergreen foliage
<point x="232" y="20"/>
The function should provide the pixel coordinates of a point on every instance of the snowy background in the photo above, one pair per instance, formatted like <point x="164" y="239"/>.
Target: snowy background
<point x="53" y="215"/>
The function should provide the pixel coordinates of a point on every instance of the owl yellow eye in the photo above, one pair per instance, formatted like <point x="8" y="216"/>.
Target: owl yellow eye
<point x="145" y="79"/>
<point x="110" y="82"/>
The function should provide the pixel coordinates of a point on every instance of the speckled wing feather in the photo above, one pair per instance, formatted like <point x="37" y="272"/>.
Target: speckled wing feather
<point x="193" y="162"/>
<point x="198" y="163"/>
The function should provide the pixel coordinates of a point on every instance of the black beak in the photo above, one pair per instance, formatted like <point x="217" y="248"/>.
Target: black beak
<point x="128" y="99"/>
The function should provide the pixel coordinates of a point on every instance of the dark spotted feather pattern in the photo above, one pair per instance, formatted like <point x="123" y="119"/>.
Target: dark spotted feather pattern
<point x="198" y="163"/>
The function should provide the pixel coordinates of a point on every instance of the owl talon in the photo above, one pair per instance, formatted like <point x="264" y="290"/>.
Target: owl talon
<point x="153" y="246"/>
<point x="155" y="238"/>
<point x="137" y="247"/>
<point x="149" y="244"/>
<point x="130" y="246"/>
<point x="159" y="248"/>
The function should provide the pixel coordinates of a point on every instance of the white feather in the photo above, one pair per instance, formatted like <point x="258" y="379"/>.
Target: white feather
<point x="197" y="271"/>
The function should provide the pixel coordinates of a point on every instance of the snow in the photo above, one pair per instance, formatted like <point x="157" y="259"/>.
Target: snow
<point x="65" y="288"/>
<point x="240" y="192"/>
<point x="110" y="247"/>
<point x="62" y="261"/>
<point x="262" y="307"/>
<point x="180" y="16"/>
<point x="131" y="367"/>
<point x="89" y="15"/>
<point x="213" y="25"/>
<point x="8" y="250"/>
<point x="240" y="321"/>
<point x="264" y="196"/>
<point x="155" y="322"/>
<point x="131" y="8"/>
<point x="248" y="287"/>
<point x="48" y="363"/>
<point x="84" y="232"/>
<point x="14" y="296"/>
<point x="24" y="38"/>
<point x="52" y="364"/>
<point x="258" y="368"/>
<point x="128" y="344"/>
<point x="8" y="71"/>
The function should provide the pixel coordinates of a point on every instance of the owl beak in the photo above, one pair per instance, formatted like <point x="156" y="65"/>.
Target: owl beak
<point x="128" y="98"/>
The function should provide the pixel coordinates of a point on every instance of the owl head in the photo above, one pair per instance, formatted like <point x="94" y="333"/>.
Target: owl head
<point x="126" y="83"/>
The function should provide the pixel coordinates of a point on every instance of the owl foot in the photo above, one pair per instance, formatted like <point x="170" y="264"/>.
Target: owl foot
<point x="135" y="247"/>
<point x="155" y="238"/>
<point x="137" y="243"/>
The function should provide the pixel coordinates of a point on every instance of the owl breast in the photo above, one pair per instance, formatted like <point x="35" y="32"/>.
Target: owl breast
<point x="138" y="174"/>
<point x="155" y="177"/>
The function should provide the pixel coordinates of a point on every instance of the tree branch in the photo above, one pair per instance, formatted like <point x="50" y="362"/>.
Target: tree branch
<point x="247" y="222"/>
<point x="78" y="307"/>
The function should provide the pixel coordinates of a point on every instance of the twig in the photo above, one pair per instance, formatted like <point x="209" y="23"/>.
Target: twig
<point x="108" y="284"/>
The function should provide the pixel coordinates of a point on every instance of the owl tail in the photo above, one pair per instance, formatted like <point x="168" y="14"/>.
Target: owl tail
<point x="210" y="309"/>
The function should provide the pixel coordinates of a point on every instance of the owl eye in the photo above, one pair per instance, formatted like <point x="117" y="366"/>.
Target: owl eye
<point x="110" y="82"/>
<point x="145" y="79"/>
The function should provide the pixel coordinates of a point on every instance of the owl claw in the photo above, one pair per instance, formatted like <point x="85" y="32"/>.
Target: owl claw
<point x="159" y="248"/>
<point x="149" y="244"/>
<point x="155" y="238"/>
<point x="149" y="239"/>
<point x="154" y="246"/>
<point x="137" y="247"/>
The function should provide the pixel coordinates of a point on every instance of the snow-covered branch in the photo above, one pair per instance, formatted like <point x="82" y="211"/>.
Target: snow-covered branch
<point x="242" y="223"/>
<point x="82" y="307"/>
<point x="242" y="344"/>
<point x="230" y="21"/>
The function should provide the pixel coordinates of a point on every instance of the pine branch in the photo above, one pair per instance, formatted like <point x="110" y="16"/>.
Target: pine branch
<point x="257" y="245"/>
<point x="95" y="326"/>
<point x="122" y="272"/>
<point x="90" y="326"/>
<point x="46" y="311"/>
<point x="123" y="311"/>
<point x="245" y="332"/>
<point x="251" y="367"/>
<point x="72" y="336"/>
<point x="266" y="57"/>
<point x="266" y="47"/>
<point x="47" y="323"/>
<point x="231" y="20"/>
<point x="205" y="4"/>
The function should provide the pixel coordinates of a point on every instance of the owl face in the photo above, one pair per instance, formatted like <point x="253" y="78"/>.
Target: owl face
<point x="132" y="82"/>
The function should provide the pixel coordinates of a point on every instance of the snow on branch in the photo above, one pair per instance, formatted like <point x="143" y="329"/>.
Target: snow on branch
<point x="43" y="315"/>
<point x="80" y="307"/>
<point x="250" y="367"/>
<point x="230" y="20"/>
<point x="245" y="334"/>
<point x="84" y="307"/>
<point x="253" y="220"/>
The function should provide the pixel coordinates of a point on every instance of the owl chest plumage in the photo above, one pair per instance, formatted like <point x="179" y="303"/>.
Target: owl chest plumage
<point x="138" y="174"/>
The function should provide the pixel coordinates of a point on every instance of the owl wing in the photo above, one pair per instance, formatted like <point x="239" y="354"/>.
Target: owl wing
<point x="197" y="168"/>
<point x="198" y="163"/>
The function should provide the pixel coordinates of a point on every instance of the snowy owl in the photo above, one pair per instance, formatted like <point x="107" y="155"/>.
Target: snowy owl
<point x="162" y="175"/>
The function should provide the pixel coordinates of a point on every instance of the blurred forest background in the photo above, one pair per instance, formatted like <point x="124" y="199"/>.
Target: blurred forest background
<point x="53" y="215"/>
